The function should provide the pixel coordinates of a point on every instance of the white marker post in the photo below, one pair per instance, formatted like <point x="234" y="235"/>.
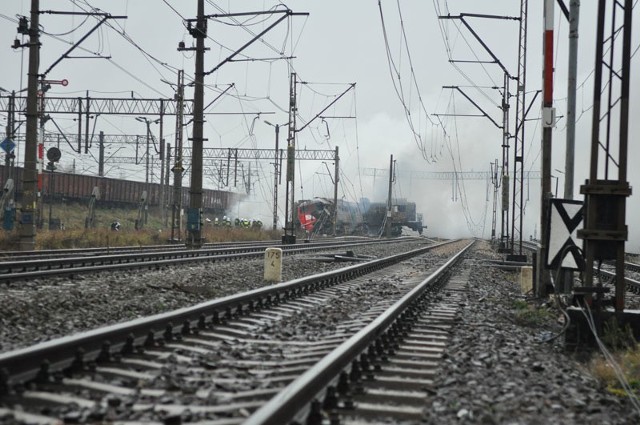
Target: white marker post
<point x="526" y="279"/>
<point x="273" y="265"/>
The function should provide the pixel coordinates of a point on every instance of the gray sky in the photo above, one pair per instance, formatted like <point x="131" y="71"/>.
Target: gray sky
<point x="339" y="43"/>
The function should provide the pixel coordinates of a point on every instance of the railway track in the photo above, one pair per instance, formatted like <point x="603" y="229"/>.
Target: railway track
<point x="15" y="270"/>
<point x="223" y="360"/>
<point x="382" y="373"/>
<point x="88" y="252"/>
<point x="632" y="285"/>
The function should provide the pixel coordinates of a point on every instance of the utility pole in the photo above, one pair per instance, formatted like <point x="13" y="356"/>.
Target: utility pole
<point x="495" y="181"/>
<point x="86" y="123"/>
<point x="146" y="180"/>
<point x="194" y="215"/>
<point x="504" y="236"/>
<point x="507" y="242"/>
<point x="147" y="158"/>
<point x="548" y="122"/>
<point x="101" y="154"/>
<point x="565" y="281"/>
<point x="519" y="137"/>
<point x="29" y="184"/>
<point x="146" y="174"/>
<point x="162" y="162"/>
<point x="574" y="18"/>
<point x="335" y="191"/>
<point x="44" y="87"/>
<point x="165" y="198"/>
<point x="11" y="117"/>
<point x="289" y="236"/>
<point x="387" y="223"/>
<point x="176" y="216"/>
<point x="276" y="174"/>
<point x="199" y="32"/>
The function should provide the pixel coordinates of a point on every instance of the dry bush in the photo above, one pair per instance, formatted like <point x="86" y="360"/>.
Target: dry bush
<point x="74" y="235"/>
<point x="87" y="238"/>
<point x="9" y="240"/>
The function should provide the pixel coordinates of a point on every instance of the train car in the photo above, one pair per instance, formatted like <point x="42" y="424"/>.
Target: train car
<point x="363" y="218"/>
<point x="115" y="192"/>
<point x="403" y="214"/>
<point x="315" y="216"/>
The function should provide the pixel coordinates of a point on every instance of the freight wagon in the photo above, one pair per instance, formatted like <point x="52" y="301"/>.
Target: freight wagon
<point x="115" y="192"/>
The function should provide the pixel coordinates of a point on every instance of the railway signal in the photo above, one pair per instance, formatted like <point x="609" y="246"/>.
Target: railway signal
<point x="7" y="145"/>
<point x="63" y="83"/>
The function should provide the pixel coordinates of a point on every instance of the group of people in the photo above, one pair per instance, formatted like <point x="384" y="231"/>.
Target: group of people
<point x="238" y="222"/>
<point x="224" y="222"/>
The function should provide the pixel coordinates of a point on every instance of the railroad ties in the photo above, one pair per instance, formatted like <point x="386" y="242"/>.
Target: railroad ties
<point x="227" y="365"/>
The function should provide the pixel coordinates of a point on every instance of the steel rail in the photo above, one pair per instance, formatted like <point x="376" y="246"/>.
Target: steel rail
<point x="285" y="406"/>
<point x="68" y="265"/>
<point x="38" y="361"/>
<point x="56" y="253"/>
<point x="632" y="266"/>
<point x="631" y="284"/>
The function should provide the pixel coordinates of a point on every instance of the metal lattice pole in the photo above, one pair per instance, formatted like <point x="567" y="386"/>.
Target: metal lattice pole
<point x="518" y="148"/>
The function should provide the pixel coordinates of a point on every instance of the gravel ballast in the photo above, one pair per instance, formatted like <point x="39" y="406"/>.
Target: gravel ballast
<point x="499" y="372"/>
<point x="41" y="310"/>
<point x="495" y="371"/>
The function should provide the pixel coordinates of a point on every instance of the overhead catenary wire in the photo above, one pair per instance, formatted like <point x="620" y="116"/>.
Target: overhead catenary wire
<point x="449" y="50"/>
<point x="472" y="225"/>
<point x="248" y="30"/>
<point x="412" y="69"/>
<point x="71" y="31"/>
<point x="97" y="54"/>
<point x="394" y="71"/>
<point x="148" y="56"/>
<point x="121" y="31"/>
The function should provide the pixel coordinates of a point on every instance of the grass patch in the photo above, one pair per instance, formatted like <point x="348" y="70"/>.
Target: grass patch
<point x="629" y="363"/>
<point x="529" y="315"/>
<point x="87" y="238"/>
<point x="74" y="235"/>
<point x="520" y="305"/>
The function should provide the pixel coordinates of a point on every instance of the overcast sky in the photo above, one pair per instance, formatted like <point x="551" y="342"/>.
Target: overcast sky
<point x="339" y="43"/>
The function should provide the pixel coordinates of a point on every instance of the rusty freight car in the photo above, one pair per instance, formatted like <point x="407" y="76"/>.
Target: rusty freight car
<point x="115" y="192"/>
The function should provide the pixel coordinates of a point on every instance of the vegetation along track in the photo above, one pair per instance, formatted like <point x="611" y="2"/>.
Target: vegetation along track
<point x="218" y="361"/>
<point x="14" y="270"/>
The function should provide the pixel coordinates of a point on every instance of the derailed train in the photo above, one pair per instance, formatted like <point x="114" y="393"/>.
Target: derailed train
<point x="361" y="218"/>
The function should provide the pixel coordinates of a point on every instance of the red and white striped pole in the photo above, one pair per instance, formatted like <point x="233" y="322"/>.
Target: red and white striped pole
<point x="40" y="165"/>
<point x="547" y="74"/>
<point x="40" y="159"/>
<point x="548" y="122"/>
